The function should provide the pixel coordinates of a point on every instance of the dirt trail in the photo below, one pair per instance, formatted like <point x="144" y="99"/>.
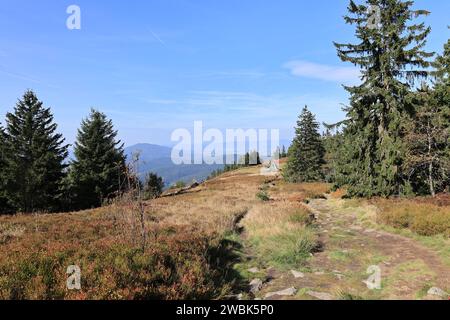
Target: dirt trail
<point x="349" y="248"/>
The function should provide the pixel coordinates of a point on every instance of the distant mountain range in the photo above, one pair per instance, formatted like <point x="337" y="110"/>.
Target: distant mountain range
<point x="157" y="159"/>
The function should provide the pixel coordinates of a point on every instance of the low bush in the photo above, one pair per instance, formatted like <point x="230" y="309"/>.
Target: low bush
<point x="263" y="195"/>
<point x="420" y="217"/>
<point x="174" y="267"/>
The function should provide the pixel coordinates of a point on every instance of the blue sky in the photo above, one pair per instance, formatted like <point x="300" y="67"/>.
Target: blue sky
<point x="155" y="66"/>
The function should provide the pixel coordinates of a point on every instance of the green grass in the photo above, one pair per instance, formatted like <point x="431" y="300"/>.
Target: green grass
<point x="340" y="256"/>
<point x="263" y="195"/>
<point x="290" y="250"/>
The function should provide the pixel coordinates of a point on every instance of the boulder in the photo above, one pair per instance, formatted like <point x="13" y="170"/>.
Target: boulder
<point x="253" y="270"/>
<point x="320" y="295"/>
<point x="256" y="286"/>
<point x="283" y="293"/>
<point x="438" y="292"/>
<point x="297" y="274"/>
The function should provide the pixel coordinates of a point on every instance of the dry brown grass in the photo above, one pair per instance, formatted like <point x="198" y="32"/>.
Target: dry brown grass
<point x="421" y="215"/>
<point x="285" y="243"/>
<point x="183" y="253"/>
<point x="338" y="194"/>
<point x="279" y="230"/>
<point x="183" y="238"/>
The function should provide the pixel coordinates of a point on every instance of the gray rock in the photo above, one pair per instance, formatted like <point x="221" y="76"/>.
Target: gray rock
<point x="283" y="293"/>
<point x="256" y="285"/>
<point x="438" y="292"/>
<point x="253" y="270"/>
<point x="320" y="295"/>
<point x="297" y="274"/>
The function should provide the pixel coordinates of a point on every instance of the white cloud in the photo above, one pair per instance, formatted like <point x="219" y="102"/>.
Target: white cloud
<point x="313" y="70"/>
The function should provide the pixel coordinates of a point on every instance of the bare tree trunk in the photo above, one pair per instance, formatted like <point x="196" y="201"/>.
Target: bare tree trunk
<point x="430" y="179"/>
<point x="430" y="166"/>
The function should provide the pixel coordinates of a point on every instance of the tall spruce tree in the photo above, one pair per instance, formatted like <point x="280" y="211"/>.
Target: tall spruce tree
<point x="35" y="157"/>
<point x="283" y="152"/>
<point x="4" y="207"/>
<point x="306" y="155"/>
<point x="333" y="145"/>
<point x="391" y="57"/>
<point x="427" y="138"/>
<point x="442" y="100"/>
<point x="99" y="169"/>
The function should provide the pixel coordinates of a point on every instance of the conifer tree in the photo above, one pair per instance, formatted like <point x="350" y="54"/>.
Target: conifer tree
<point x="391" y="57"/>
<point x="98" y="171"/>
<point x="306" y="155"/>
<point x="153" y="186"/>
<point x="35" y="157"/>
<point x="247" y="159"/>
<point x="277" y="154"/>
<point x="333" y="146"/>
<point x="427" y="139"/>
<point x="283" y="152"/>
<point x="254" y="158"/>
<point x="4" y="208"/>
<point x="442" y="100"/>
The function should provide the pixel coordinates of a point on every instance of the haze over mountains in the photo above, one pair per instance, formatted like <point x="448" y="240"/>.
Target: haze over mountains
<point x="157" y="159"/>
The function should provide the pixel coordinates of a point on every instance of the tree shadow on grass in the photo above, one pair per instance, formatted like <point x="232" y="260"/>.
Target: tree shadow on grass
<point x="222" y="258"/>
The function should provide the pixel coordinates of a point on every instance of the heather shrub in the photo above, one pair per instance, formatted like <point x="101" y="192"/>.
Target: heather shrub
<point x="420" y="217"/>
<point x="174" y="267"/>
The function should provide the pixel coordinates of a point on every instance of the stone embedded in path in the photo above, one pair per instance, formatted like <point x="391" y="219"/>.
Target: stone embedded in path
<point x="297" y="274"/>
<point x="283" y="293"/>
<point x="253" y="270"/>
<point x="256" y="285"/>
<point x="320" y="295"/>
<point x="438" y="292"/>
<point x="338" y="274"/>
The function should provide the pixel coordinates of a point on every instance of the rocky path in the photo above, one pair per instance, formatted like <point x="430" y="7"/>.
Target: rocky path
<point x="358" y="262"/>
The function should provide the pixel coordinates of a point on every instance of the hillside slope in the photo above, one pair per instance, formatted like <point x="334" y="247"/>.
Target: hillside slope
<point x="212" y="242"/>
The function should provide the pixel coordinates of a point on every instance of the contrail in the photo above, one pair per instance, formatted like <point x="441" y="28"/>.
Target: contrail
<point x="157" y="38"/>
